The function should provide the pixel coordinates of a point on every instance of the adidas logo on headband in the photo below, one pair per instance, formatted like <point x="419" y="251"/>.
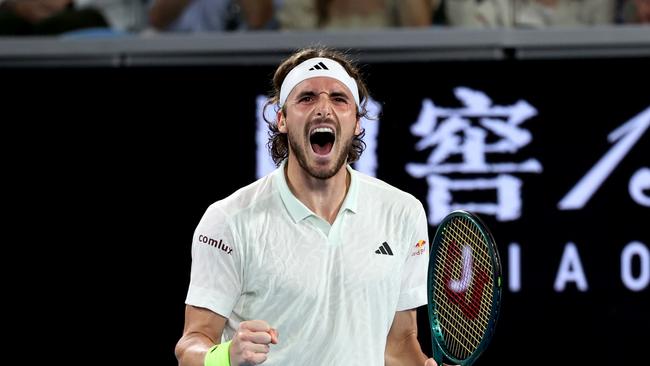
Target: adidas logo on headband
<point x="317" y="67"/>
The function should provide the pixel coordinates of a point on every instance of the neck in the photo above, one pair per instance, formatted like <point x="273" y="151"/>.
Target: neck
<point x="323" y="196"/>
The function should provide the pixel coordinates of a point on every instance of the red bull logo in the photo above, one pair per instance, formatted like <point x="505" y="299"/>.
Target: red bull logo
<point x="420" y="248"/>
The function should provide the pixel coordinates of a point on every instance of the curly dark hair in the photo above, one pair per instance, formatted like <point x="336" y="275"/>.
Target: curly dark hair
<point x="278" y="143"/>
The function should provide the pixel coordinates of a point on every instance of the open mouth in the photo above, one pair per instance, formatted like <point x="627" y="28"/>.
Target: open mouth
<point x="322" y="140"/>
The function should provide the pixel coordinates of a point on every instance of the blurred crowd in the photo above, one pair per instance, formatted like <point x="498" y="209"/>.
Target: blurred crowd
<point x="52" y="17"/>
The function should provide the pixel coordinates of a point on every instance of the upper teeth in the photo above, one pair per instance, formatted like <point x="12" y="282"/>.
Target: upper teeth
<point x="322" y="129"/>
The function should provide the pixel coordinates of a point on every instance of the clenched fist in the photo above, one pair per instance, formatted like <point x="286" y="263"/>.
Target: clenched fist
<point x="250" y="344"/>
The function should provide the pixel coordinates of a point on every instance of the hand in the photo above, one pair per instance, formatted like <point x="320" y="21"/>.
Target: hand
<point x="430" y="362"/>
<point x="250" y="345"/>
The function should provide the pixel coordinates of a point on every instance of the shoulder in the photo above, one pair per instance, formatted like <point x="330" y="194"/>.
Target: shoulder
<point x="376" y="190"/>
<point x="239" y="202"/>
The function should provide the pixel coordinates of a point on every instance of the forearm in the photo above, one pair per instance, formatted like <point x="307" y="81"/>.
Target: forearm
<point x="405" y="352"/>
<point x="163" y="12"/>
<point x="191" y="349"/>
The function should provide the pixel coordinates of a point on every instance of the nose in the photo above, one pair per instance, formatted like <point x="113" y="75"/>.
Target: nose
<point x="324" y="106"/>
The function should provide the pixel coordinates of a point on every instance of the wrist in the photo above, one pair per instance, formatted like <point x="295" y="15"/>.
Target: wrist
<point x="218" y="355"/>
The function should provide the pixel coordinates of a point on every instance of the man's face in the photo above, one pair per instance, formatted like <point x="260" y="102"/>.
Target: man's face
<point x="321" y="122"/>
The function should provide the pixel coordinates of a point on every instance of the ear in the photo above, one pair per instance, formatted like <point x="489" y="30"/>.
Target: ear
<point x="357" y="127"/>
<point x="282" y="123"/>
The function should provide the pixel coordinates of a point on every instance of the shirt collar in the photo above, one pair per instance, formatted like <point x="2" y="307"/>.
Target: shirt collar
<point x="298" y="210"/>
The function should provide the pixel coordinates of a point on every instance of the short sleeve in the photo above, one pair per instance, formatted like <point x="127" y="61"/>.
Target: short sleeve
<point x="414" y="276"/>
<point x="215" y="278"/>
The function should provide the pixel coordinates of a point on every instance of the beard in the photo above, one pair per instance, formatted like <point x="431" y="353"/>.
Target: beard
<point x="317" y="172"/>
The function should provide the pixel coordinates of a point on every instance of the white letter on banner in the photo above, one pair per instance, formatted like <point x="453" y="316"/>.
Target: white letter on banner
<point x="570" y="270"/>
<point x="640" y="182"/>
<point x="635" y="248"/>
<point x="624" y="137"/>
<point x="514" y="267"/>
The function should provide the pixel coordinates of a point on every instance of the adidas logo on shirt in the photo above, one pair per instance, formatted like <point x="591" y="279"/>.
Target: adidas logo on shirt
<point x="319" y="66"/>
<point x="384" y="249"/>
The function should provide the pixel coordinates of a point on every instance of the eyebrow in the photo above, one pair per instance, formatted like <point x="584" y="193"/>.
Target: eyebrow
<point x="307" y="93"/>
<point x="311" y="93"/>
<point x="339" y="94"/>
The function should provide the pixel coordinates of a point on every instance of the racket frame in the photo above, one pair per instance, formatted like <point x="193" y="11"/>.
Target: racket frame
<point x="437" y="338"/>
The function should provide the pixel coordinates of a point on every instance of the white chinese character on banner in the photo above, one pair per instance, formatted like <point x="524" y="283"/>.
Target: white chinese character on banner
<point x="462" y="139"/>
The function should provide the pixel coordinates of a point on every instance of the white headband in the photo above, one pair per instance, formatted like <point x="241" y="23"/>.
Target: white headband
<point x="315" y="67"/>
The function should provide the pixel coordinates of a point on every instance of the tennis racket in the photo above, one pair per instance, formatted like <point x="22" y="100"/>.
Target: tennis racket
<point x="464" y="289"/>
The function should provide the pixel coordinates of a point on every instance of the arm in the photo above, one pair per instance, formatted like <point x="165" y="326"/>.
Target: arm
<point x="402" y="345"/>
<point x="202" y="330"/>
<point x="163" y="12"/>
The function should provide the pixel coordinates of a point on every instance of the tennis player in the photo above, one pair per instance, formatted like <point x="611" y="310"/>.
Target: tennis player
<point x="316" y="263"/>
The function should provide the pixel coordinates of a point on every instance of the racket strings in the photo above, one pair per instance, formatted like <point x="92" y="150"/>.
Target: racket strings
<point x="462" y="342"/>
<point x="465" y="312"/>
<point x="484" y="260"/>
<point x="468" y="234"/>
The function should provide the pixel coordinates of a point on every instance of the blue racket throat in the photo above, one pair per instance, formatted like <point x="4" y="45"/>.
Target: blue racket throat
<point x="463" y="289"/>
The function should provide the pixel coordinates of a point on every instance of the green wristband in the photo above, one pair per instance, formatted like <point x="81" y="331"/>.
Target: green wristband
<point x="218" y="355"/>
